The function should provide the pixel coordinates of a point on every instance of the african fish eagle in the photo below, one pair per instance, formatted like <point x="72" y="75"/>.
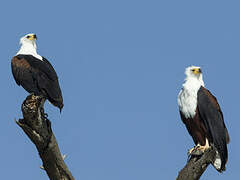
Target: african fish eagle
<point x="201" y="113"/>
<point x="35" y="73"/>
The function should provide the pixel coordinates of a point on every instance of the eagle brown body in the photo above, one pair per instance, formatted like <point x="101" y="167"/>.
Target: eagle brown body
<point x="196" y="128"/>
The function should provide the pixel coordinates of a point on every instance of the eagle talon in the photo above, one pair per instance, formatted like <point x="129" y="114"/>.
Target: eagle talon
<point x="194" y="149"/>
<point x="197" y="152"/>
<point x="198" y="149"/>
<point x="190" y="151"/>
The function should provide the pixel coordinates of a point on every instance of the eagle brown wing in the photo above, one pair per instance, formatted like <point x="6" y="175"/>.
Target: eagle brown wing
<point x="211" y="115"/>
<point x="22" y="73"/>
<point x="215" y="103"/>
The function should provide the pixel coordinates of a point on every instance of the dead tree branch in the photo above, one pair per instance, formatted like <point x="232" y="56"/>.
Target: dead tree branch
<point x="38" y="128"/>
<point x="196" y="166"/>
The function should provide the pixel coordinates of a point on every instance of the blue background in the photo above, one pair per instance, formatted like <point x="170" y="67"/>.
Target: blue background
<point x="121" y="65"/>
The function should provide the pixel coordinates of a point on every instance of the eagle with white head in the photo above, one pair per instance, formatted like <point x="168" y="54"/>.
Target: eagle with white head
<point x="201" y="113"/>
<point x="35" y="73"/>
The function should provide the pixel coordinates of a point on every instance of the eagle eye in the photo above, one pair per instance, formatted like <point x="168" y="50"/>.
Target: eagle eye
<point x="28" y="36"/>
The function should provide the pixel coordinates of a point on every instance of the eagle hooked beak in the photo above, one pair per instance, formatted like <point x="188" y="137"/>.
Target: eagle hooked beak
<point x="197" y="71"/>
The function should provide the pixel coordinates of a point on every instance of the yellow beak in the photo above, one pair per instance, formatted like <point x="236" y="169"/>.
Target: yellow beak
<point x="32" y="37"/>
<point x="197" y="71"/>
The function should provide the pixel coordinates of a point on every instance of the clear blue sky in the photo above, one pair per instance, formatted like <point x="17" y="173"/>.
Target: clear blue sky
<point x="121" y="65"/>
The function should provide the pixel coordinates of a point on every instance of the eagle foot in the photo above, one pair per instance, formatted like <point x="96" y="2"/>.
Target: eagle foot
<point x="197" y="151"/>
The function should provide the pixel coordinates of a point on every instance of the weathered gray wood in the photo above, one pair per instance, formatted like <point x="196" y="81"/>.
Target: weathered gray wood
<point x="38" y="129"/>
<point x="196" y="166"/>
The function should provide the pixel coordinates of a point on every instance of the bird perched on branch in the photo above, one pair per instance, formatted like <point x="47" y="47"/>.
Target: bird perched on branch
<point x="201" y="113"/>
<point x="35" y="73"/>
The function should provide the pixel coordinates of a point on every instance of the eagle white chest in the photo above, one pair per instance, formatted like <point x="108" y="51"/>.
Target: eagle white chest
<point x="29" y="49"/>
<point x="187" y="97"/>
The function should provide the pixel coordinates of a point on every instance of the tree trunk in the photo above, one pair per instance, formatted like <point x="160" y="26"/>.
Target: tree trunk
<point x="38" y="128"/>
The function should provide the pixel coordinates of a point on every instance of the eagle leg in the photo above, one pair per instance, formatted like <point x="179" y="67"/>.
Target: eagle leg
<point x="205" y="147"/>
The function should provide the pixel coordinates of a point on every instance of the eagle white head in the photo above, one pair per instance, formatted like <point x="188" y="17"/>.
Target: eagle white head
<point x="194" y="74"/>
<point x="28" y="46"/>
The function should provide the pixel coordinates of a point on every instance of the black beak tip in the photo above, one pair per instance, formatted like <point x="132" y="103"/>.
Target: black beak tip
<point x="35" y="36"/>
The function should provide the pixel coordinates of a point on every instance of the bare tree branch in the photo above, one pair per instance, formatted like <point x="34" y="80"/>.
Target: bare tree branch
<point x="196" y="166"/>
<point x="38" y="129"/>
